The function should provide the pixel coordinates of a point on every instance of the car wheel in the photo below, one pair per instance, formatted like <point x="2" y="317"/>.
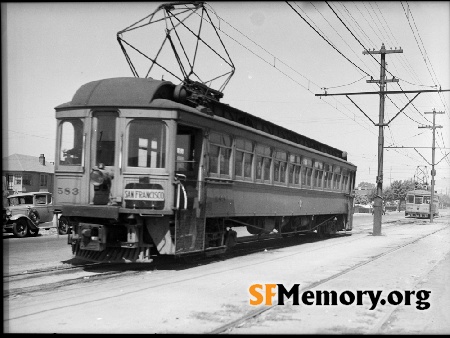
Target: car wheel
<point x="20" y="229"/>
<point x="63" y="226"/>
<point x="33" y="233"/>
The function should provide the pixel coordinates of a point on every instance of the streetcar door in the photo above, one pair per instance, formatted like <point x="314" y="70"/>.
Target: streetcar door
<point x="190" y="216"/>
<point x="103" y="155"/>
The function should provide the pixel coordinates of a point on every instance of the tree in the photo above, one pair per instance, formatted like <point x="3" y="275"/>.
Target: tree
<point x="361" y="199"/>
<point x="389" y="195"/>
<point x="398" y="189"/>
<point x="366" y="185"/>
<point x="445" y="200"/>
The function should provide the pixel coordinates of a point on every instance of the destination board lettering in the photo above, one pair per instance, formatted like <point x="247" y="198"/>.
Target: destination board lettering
<point x="144" y="194"/>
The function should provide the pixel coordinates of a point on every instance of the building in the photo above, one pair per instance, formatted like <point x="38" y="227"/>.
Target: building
<point x="24" y="173"/>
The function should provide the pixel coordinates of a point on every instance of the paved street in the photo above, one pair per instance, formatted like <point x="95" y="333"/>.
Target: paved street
<point x="410" y="255"/>
<point x="50" y="249"/>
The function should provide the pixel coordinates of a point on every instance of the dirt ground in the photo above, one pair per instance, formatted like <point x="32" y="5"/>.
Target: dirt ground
<point x="409" y="256"/>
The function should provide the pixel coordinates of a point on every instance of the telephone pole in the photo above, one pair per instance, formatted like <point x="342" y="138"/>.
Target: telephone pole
<point x="378" y="202"/>
<point x="382" y="92"/>
<point x="433" y="172"/>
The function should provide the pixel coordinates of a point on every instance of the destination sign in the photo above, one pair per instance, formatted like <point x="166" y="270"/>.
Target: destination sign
<point x="144" y="194"/>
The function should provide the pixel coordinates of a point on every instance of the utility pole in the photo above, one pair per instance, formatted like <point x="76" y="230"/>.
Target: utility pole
<point x="433" y="172"/>
<point x="382" y="92"/>
<point x="378" y="203"/>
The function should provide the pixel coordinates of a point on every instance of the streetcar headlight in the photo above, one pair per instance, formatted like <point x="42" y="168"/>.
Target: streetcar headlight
<point x="97" y="177"/>
<point x="8" y="212"/>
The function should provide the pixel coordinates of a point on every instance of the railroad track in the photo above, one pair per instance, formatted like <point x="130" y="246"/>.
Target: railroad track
<point x="89" y="272"/>
<point x="244" y="249"/>
<point x="250" y="316"/>
<point x="34" y="280"/>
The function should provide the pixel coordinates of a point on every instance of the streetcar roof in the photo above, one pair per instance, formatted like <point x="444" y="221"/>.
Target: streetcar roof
<point x="121" y="91"/>
<point x="150" y="93"/>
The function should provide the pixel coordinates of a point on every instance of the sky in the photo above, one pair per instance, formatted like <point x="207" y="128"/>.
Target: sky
<point x="284" y="54"/>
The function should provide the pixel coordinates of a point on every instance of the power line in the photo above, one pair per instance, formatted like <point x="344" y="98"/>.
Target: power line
<point x="334" y="106"/>
<point x="18" y="132"/>
<point x="425" y="57"/>
<point x="357" y="55"/>
<point x="327" y="40"/>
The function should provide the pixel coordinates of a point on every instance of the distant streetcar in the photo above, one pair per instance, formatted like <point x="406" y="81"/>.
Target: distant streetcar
<point x="145" y="167"/>
<point x="418" y="204"/>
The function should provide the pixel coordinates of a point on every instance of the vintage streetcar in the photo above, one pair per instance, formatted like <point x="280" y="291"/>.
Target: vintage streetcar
<point x="418" y="204"/>
<point x="145" y="168"/>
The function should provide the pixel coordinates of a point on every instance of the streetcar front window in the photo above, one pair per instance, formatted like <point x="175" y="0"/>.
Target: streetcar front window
<point x="419" y="199"/>
<point x="71" y="142"/>
<point x="147" y="144"/>
<point x="105" y="138"/>
<point x="410" y="198"/>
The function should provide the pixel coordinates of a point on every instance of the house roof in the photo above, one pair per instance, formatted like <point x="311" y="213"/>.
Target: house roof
<point x="19" y="162"/>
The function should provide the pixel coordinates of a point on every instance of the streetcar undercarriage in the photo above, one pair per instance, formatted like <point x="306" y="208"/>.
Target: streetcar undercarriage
<point x="134" y="238"/>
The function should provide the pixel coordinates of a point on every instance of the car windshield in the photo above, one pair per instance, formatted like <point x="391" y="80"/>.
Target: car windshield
<point x="13" y="201"/>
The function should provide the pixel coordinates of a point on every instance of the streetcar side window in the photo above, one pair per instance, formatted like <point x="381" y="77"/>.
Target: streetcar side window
<point x="279" y="167"/>
<point x="328" y="175"/>
<point x="318" y="174"/>
<point x="337" y="178"/>
<point x="243" y="159"/>
<point x="306" y="172"/>
<point x="71" y="146"/>
<point x="146" y="144"/>
<point x="426" y="199"/>
<point x="263" y="163"/>
<point x="345" y="174"/>
<point x="294" y="169"/>
<point x="219" y="155"/>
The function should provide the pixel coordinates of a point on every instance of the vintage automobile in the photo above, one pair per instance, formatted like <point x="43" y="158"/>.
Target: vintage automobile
<point x="26" y="213"/>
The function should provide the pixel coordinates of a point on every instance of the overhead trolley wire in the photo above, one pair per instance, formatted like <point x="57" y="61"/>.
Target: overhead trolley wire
<point x="425" y="57"/>
<point x="337" y="34"/>
<point x="370" y="54"/>
<point x="328" y="41"/>
<point x="371" y="25"/>
<point x="334" y="106"/>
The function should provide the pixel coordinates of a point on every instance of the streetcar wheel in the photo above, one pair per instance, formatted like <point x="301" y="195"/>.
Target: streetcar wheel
<point x="63" y="226"/>
<point x="321" y="231"/>
<point x="33" y="233"/>
<point x="20" y="229"/>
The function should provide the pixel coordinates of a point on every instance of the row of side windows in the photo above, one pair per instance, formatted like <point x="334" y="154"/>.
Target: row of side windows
<point x="254" y="162"/>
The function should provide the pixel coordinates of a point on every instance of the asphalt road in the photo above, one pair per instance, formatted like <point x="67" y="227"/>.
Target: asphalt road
<point x="49" y="249"/>
<point x="411" y="255"/>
